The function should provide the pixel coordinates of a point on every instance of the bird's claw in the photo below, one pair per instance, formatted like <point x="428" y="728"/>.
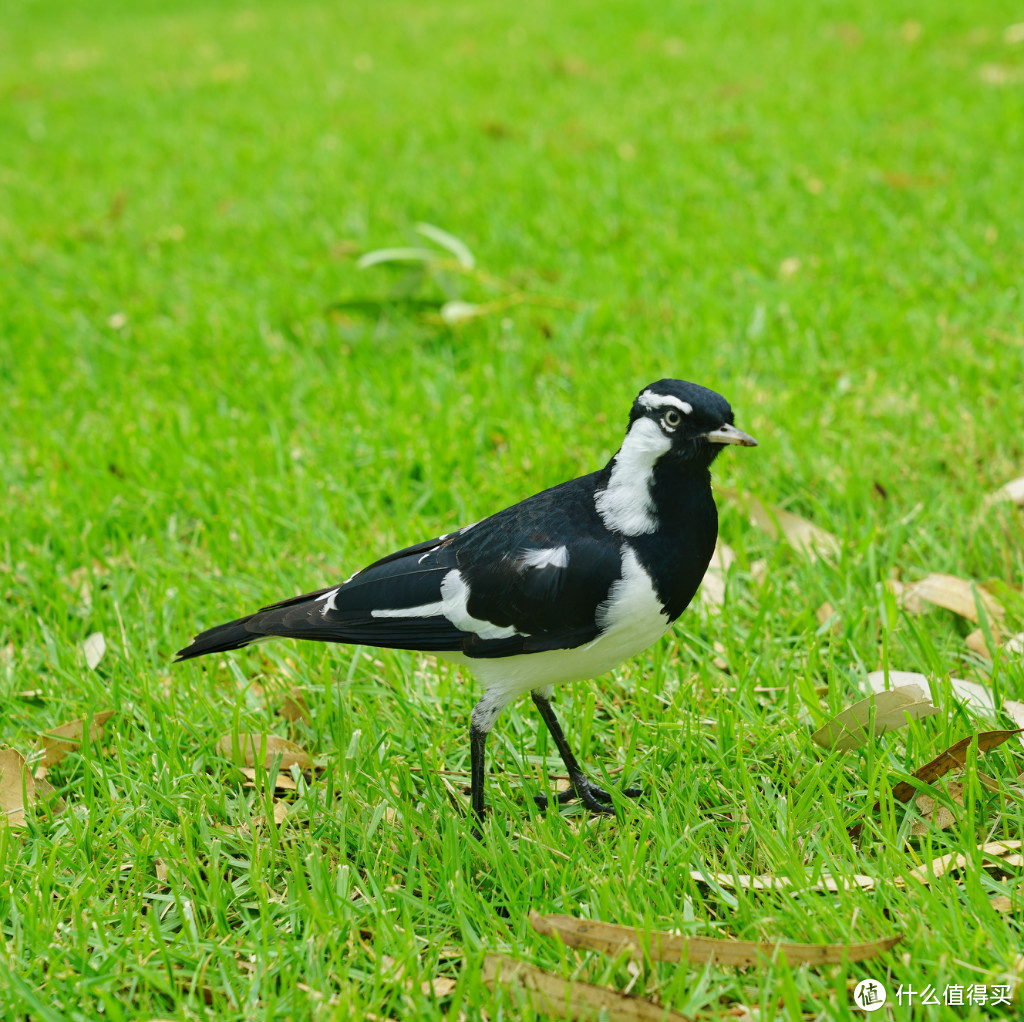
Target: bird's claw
<point x="595" y="798"/>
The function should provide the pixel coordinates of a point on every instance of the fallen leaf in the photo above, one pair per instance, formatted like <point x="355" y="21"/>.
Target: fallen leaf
<point x="827" y="615"/>
<point x="439" y="986"/>
<point x="960" y="595"/>
<point x="953" y="758"/>
<point x="94" y="647"/>
<point x="670" y="947"/>
<point x="280" y="812"/>
<point x="977" y="643"/>
<point x="1013" y="492"/>
<point x="767" y="882"/>
<point x="282" y="782"/>
<point x="712" y="589"/>
<point x="978" y="697"/>
<point x="294" y="708"/>
<point x="938" y="867"/>
<point x="1004" y="904"/>
<point x="570" y="999"/>
<point x="937" y="815"/>
<point x="17" y="787"/>
<point x="266" y="750"/>
<point x="892" y="709"/>
<point x="800" y="533"/>
<point x="59" y="741"/>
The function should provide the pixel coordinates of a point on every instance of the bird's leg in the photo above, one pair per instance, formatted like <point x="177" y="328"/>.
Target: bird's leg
<point x="596" y="799"/>
<point x="477" y="741"/>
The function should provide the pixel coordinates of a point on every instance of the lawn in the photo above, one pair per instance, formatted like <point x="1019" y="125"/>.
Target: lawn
<point x="207" y="405"/>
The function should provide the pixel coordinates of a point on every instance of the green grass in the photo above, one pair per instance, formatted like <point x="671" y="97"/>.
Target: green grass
<point x="206" y="406"/>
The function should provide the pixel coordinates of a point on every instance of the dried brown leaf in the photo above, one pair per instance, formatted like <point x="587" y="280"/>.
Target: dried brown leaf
<point x="993" y="850"/>
<point x="767" y="882"/>
<point x="571" y="999"/>
<point x="58" y="742"/>
<point x="266" y="750"/>
<point x="952" y="758"/>
<point x="978" y="697"/>
<point x="778" y="523"/>
<point x="294" y="708"/>
<point x="1013" y="492"/>
<point x="282" y="782"/>
<point x="949" y="759"/>
<point x="1002" y="904"/>
<point x="712" y="589"/>
<point x="960" y="595"/>
<point x="937" y="815"/>
<point x="670" y="947"/>
<point x="855" y="725"/>
<point x="439" y="986"/>
<point x="827" y="615"/>
<point x="94" y="647"/>
<point x="17" y="788"/>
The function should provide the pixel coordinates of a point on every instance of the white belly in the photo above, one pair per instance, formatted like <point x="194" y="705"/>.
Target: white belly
<point x="632" y="618"/>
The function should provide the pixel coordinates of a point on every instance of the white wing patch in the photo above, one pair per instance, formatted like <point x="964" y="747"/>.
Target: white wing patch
<point x="549" y="557"/>
<point x="625" y="505"/>
<point x="631" y="619"/>
<point x="453" y="605"/>
<point x="329" y="599"/>
<point x="423" y="610"/>
<point x="455" y="600"/>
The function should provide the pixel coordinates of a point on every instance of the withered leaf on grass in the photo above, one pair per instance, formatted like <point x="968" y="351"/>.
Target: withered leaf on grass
<point x="17" y="788"/>
<point x="800" y="533"/>
<point x="94" y="647"/>
<point x="56" y="743"/>
<point x="1004" y="903"/>
<point x="952" y="758"/>
<point x="1012" y="491"/>
<point x="936" y="815"/>
<point x="768" y="882"/>
<point x="978" y="697"/>
<point x="265" y="750"/>
<point x="282" y="782"/>
<point x="571" y="999"/>
<point x="892" y="709"/>
<point x="712" y="589"/>
<point x="1000" y="853"/>
<point x="439" y="986"/>
<point x="960" y="595"/>
<point x="294" y="708"/>
<point x="977" y="642"/>
<point x="670" y="947"/>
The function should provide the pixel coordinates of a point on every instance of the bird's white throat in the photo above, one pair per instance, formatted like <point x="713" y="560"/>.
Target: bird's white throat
<point x="626" y="505"/>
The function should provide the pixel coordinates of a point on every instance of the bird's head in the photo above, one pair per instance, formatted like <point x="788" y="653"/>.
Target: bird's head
<point x="687" y="422"/>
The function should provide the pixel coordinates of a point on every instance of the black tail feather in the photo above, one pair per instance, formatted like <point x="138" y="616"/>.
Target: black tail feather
<point x="233" y="635"/>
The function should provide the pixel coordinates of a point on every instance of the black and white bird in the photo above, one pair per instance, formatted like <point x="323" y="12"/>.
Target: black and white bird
<point x="560" y="587"/>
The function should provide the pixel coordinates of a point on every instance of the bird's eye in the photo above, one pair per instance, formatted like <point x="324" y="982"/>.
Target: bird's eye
<point x="672" y="418"/>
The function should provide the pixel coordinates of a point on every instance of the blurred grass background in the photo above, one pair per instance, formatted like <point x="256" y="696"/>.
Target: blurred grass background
<point x="207" y="406"/>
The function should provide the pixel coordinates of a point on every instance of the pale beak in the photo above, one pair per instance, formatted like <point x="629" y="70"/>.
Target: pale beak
<point x="726" y="434"/>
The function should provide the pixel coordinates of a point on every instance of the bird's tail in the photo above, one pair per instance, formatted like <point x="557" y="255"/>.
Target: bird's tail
<point x="233" y="635"/>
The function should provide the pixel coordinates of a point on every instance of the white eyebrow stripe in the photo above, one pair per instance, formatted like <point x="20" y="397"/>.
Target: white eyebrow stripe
<point x="651" y="400"/>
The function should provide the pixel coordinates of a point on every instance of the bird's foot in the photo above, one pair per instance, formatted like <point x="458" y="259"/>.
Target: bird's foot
<point x="595" y="798"/>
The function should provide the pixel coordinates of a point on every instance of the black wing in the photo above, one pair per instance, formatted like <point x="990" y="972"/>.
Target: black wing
<point x="528" y="579"/>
